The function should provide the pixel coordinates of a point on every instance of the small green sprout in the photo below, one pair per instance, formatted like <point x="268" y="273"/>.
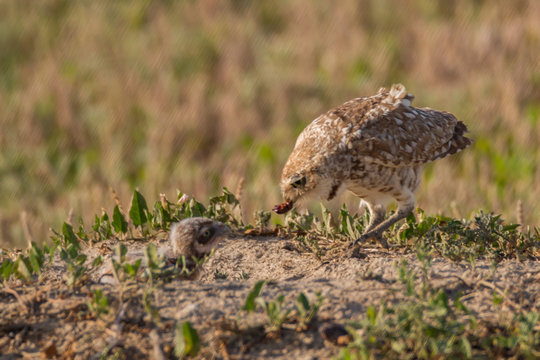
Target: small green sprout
<point x="187" y="342"/>
<point x="306" y="312"/>
<point x="99" y="304"/>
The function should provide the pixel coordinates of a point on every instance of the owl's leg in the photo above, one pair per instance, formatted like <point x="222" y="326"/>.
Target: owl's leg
<point x="376" y="215"/>
<point x="406" y="203"/>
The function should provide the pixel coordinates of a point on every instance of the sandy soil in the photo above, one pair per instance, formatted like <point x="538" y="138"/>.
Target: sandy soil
<point x="51" y="320"/>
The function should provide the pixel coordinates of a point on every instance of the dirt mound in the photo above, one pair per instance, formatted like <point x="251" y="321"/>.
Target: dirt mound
<point x="51" y="319"/>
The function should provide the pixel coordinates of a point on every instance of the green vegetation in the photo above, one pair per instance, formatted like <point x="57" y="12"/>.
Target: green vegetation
<point x="99" y="304"/>
<point x="29" y="265"/>
<point x="196" y="96"/>
<point x="277" y="314"/>
<point x="485" y="236"/>
<point x="187" y="341"/>
<point x="433" y="324"/>
<point x="430" y="323"/>
<point x="306" y="312"/>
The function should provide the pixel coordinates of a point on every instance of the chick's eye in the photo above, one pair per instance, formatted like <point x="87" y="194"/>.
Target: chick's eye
<point x="298" y="183"/>
<point x="205" y="236"/>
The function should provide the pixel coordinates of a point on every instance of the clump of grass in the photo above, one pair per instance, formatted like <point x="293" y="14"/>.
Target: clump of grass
<point x="27" y="266"/>
<point x="99" y="304"/>
<point x="158" y="269"/>
<point x="220" y="275"/>
<point x="70" y="253"/>
<point x="123" y="270"/>
<point x="149" y="307"/>
<point x="275" y="312"/>
<point x="141" y="222"/>
<point x="278" y="313"/>
<point x="429" y="324"/>
<point x="306" y="311"/>
<point x="262" y="219"/>
<point x="485" y="235"/>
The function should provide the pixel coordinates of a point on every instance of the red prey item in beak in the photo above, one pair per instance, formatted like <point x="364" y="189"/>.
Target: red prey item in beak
<point x="283" y="208"/>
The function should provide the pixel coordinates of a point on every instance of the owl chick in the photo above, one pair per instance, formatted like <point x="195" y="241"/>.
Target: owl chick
<point x="376" y="148"/>
<point x="192" y="238"/>
<point x="195" y="237"/>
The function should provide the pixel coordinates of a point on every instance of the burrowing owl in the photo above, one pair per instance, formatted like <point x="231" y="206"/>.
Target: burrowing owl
<point x="373" y="146"/>
<point x="193" y="238"/>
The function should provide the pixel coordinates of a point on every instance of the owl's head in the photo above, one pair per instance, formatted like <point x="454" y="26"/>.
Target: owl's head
<point x="196" y="236"/>
<point x="299" y="186"/>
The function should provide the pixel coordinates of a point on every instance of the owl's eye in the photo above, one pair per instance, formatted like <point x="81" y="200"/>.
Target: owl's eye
<point x="299" y="183"/>
<point x="205" y="236"/>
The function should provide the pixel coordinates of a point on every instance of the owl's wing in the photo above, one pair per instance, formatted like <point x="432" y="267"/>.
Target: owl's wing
<point x="404" y="138"/>
<point x="390" y="132"/>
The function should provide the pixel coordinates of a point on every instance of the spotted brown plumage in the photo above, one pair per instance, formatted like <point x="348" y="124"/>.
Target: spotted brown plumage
<point x="373" y="146"/>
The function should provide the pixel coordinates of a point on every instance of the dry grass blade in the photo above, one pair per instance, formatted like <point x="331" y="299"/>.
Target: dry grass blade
<point x="158" y="353"/>
<point x="17" y="296"/>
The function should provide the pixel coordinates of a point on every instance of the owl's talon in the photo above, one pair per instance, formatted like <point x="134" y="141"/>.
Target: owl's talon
<point x="362" y="239"/>
<point x="383" y="242"/>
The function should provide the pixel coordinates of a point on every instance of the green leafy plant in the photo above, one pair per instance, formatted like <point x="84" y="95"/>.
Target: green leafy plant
<point x="122" y="269"/>
<point x="68" y="237"/>
<point x="154" y="262"/>
<point x="243" y="275"/>
<point x="527" y="334"/>
<point x="70" y="248"/>
<point x="119" y="223"/>
<point x="306" y="311"/>
<point x="102" y="227"/>
<point x="222" y="208"/>
<point x="75" y="264"/>
<point x="262" y="219"/>
<point x="161" y="217"/>
<point x="7" y="268"/>
<point x="27" y="265"/>
<point x="186" y="340"/>
<point x="150" y="309"/>
<point x="138" y="210"/>
<point x="275" y="312"/>
<point x="99" y="304"/>
<point x="220" y="275"/>
<point x="250" y="304"/>
<point x="349" y="225"/>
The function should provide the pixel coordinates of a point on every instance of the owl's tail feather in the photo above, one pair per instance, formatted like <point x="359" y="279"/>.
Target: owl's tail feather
<point x="458" y="141"/>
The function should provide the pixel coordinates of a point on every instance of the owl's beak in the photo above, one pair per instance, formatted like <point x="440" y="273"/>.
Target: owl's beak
<point x="224" y="229"/>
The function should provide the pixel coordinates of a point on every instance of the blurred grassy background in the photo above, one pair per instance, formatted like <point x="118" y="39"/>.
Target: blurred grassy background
<point x="196" y="95"/>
